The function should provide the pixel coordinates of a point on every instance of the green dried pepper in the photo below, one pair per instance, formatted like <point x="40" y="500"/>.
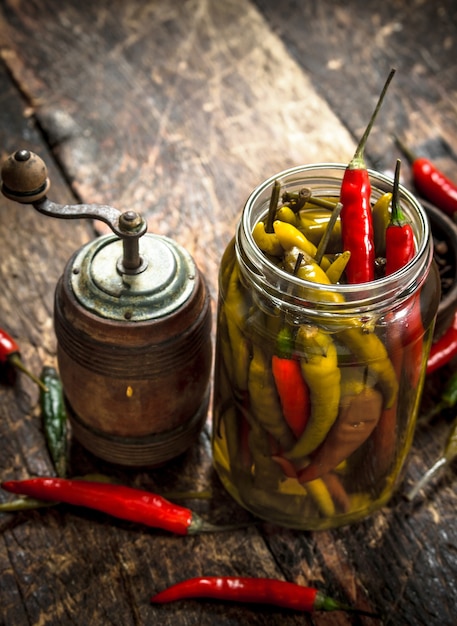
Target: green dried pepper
<point x="54" y="418"/>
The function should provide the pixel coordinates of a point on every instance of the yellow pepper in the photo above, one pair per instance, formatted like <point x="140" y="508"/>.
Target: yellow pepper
<point x="267" y="242"/>
<point x="336" y="269"/>
<point x="290" y="237"/>
<point x="312" y="272"/>
<point x="319" y="492"/>
<point x="381" y="219"/>
<point x="285" y="214"/>
<point x="319" y="366"/>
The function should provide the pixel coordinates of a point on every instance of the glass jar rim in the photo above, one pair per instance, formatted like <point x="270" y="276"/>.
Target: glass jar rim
<point x="365" y="295"/>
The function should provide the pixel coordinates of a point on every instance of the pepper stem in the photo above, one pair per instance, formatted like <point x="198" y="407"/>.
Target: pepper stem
<point x="323" y="243"/>
<point x="15" y="360"/>
<point x="274" y="199"/>
<point x="325" y="603"/>
<point x="426" y="478"/>
<point x="397" y="217"/>
<point x="198" y="525"/>
<point x="358" y="160"/>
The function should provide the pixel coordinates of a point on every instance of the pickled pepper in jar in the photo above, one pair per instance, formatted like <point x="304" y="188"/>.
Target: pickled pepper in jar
<point x="333" y="451"/>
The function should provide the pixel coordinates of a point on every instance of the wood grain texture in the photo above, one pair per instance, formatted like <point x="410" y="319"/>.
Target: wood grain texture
<point x="178" y="110"/>
<point x="177" y="114"/>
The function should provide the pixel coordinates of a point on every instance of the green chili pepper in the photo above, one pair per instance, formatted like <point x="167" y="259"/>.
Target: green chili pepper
<point x="449" y="454"/>
<point x="54" y="418"/>
<point x="319" y="365"/>
<point x="236" y="314"/>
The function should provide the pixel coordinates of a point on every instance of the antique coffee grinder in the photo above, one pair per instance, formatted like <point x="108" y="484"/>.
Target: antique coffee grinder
<point x="132" y="317"/>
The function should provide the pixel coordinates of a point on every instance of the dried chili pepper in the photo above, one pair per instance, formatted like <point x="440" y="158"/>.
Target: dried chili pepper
<point x="400" y="247"/>
<point x="430" y="182"/>
<point x="54" y="418"/>
<point x="443" y="350"/>
<point x="127" y="503"/>
<point x="356" y="217"/>
<point x="10" y="355"/>
<point x="292" y="389"/>
<point x="448" y="455"/>
<point x="254" y="591"/>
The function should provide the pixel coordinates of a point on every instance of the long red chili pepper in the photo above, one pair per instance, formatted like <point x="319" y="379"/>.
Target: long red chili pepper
<point x="400" y="250"/>
<point x="443" y="350"/>
<point x="400" y="247"/>
<point x="430" y="182"/>
<point x="9" y="353"/>
<point x="134" y="505"/>
<point x="254" y="591"/>
<point x="356" y="218"/>
<point x="292" y="390"/>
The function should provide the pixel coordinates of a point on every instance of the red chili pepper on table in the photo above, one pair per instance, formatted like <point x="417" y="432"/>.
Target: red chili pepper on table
<point x="356" y="218"/>
<point x="10" y="354"/>
<point x="292" y="390"/>
<point x="444" y="349"/>
<point x="254" y="591"/>
<point x="430" y="182"/>
<point x="127" y="503"/>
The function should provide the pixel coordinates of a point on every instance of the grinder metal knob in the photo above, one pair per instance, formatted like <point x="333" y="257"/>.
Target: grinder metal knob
<point x="25" y="177"/>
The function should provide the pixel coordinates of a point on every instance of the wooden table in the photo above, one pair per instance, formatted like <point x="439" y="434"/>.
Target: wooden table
<point x="178" y="110"/>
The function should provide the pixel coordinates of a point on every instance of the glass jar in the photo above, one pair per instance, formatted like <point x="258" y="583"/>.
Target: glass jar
<point x="353" y="356"/>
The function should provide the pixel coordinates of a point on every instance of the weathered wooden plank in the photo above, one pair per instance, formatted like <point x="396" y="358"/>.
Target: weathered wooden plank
<point x="61" y="593"/>
<point x="348" y="48"/>
<point x="176" y="114"/>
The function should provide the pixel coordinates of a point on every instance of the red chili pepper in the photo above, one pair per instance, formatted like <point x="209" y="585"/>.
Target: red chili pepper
<point x="430" y="182"/>
<point x="254" y="591"/>
<point x="9" y="354"/>
<point x="400" y="247"/>
<point x="292" y="390"/>
<point x="443" y="350"/>
<point x="134" y="505"/>
<point x="400" y="250"/>
<point x="356" y="217"/>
